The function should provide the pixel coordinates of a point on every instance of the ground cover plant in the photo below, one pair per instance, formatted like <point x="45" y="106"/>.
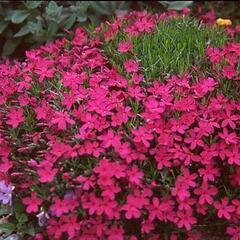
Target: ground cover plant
<point x="99" y="139"/>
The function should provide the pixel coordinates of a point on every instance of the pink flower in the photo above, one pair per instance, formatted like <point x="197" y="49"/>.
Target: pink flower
<point x="236" y="203"/>
<point x="133" y="206"/>
<point x="159" y="210"/>
<point x="185" y="219"/>
<point x="229" y="72"/>
<point x="131" y="66"/>
<point x="61" y="119"/>
<point x="15" y="116"/>
<point x="32" y="203"/>
<point x="134" y="175"/>
<point x="233" y="155"/>
<point x="224" y="209"/>
<point x="46" y="172"/>
<point x="230" y="119"/>
<point x="229" y="138"/>
<point x="215" y="54"/>
<point x="115" y="233"/>
<point x="142" y="135"/>
<point x="194" y="140"/>
<point x="234" y="232"/>
<point x="61" y="206"/>
<point x="124" y="47"/>
<point x="145" y="24"/>
<point x="206" y="192"/>
<point x="109" y="139"/>
<point x="70" y="225"/>
<point x="209" y="173"/>
<point x="186" y="10"/>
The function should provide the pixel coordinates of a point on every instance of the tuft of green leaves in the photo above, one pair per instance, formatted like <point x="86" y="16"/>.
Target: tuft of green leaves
<point x="174" y="45"/>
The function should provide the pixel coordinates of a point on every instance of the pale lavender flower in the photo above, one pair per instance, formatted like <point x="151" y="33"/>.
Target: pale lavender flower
<point x="6" y="193"/>
<point x="43" y="218"/>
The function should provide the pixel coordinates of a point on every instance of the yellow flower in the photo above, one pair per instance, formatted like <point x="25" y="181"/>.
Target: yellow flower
<point x="223" y="22"/>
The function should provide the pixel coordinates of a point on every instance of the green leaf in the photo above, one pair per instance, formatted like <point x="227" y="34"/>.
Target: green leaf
<point x="32" y="4"/>
<point x="30" y="229"/>
<point x="22" y="218"/>
<point x="52" y="30"/>
<point x="18" y="16"/>
<point x="82" y="18"/>
<point x="80" y="7"/>
<point x="176" y="5"/>
<point x="3" y="26"/>
<point x="4" y="209"/>
<point x="17" y="203"/>
<point x="7" y="227"/>
<point x="10" y="46"/>
<point x="101" y="7"/>
<point x="70" y="20"/>
<point x="35" y="27"/>
<point x="23" y="31"/>
<point x="54" y="12"/>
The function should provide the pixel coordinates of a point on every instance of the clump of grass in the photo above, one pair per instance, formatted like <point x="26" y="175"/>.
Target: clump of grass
<point x="175" y="45"/>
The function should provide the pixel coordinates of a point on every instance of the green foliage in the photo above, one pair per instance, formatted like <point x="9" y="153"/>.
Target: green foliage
<point x="35" y="22"/>
<point x="176" y="5"/>
<point x="175" y="45"/>
<point x="18" y="222"/>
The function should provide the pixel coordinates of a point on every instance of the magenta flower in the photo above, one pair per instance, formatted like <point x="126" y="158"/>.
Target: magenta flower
<point x="131" y="66"/>
<point x="15" y="117"/>
<point x="229" y="138"/>
<point x="32" y="203"/>
<point x="224" y="209"/>
<point x="142" y="135"/>
<point x="61" y="119"/>
<point x="124" y="47"/>
<point x="206" y="192"/>
<point x="185" y="219"/>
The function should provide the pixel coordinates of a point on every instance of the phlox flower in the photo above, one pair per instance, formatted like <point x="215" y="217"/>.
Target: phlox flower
<point x="236" y="203"/>
<point x="61" y="119"/>
<point x="70" y="225"/>
<point x="46" y="172"/>
<point x="144" y="24"/>
<point x="134" y="175"/>
<point x="209" y="173"/>
<point x="229" y="138"/>
<point x="234" y="232"/>
<point x="233" y="155"/>
<point x="133" y="206"/>
<point x="223" y="208"/>
<point x="142" y="135"/>
<point x="61" y="206"/>
<point x="32" y="203"/>
<point x="124" y="47"/>
<point x="229" y="72"/>
<point x="5" y="193"/>
<point x="15" y="117"/>
<point x="206" y="193"/>
<point x="115" y="233"/>
<point x="185" y="219"/>
<point x="109" y="139"/>
<point x="131" y="66"/>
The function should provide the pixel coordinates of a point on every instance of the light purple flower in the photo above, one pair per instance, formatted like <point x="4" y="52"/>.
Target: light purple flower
<point x="70" y="194"/>
<point x="43" y="218"/>
<point x="6" y="193"/>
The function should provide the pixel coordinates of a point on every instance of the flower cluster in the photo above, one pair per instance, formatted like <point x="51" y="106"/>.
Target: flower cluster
<point x="110" y="156"/>
<point x="5" y="193"/>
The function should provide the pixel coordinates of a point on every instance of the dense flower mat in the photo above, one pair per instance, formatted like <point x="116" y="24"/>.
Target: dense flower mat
<point x="87" y="152"/>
